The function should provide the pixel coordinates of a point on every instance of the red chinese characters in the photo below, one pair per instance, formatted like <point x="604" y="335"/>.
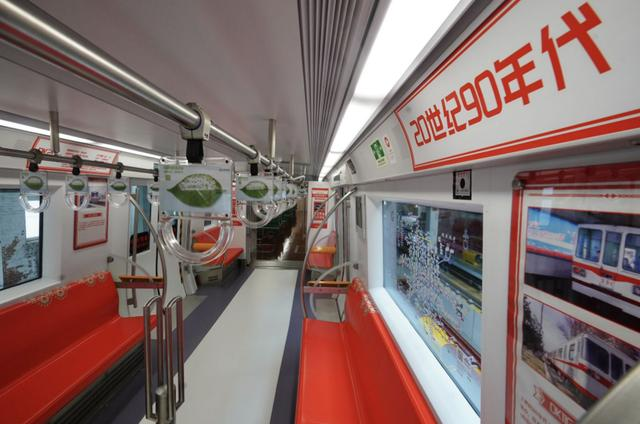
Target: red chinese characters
<point x="514" y="78"/>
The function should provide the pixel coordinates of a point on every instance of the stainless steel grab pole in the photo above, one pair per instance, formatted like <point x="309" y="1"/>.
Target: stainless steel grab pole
<point x="30" y="28"/>
<point x="29" y="155"/>
<point x="175" y="304"/>
<point x="148" y="372"/>
<point x="620" y="404"/>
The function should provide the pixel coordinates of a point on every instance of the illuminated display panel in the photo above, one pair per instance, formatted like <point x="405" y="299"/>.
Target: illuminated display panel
<point x="433" y="271"/>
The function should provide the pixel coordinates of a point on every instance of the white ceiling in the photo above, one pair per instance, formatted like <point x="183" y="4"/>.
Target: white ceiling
<point x="240" y="60"/>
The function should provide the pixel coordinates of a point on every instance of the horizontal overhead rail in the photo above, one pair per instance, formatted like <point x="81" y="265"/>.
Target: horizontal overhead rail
<point x="74" y="161"/>
<point x="30" y="28"/>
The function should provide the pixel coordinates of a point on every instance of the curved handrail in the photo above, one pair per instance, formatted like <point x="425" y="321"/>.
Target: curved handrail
<point x="619" y="404"/>
<point x="315" y="237"/>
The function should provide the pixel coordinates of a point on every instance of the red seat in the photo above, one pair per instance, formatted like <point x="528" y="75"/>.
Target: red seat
<point x="204" y="240"/>
<point x="353" y="372"/>
<point x="322" y="257"/>
<point x="209" y="235"/>
<point x="55" y="345"/>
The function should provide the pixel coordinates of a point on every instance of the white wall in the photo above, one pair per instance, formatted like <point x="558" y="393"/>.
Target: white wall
<point x="60" y="262"/>
<point x="492" y="193"/>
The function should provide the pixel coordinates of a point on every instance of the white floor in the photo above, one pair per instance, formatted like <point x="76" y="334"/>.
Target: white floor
<point x="231" y="376"/>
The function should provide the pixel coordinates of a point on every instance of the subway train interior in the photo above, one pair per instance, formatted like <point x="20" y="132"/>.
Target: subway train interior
<point x="320" y="211"/>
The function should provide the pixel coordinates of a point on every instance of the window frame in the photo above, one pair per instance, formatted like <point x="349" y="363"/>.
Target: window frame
<point x="40" y="244"/>
<point x="579" y="246"/>
<point x="605" y="249"/>
<point x="589" y="357"/>
<point x="624" y="247"/>
<point x="446" y="399"/>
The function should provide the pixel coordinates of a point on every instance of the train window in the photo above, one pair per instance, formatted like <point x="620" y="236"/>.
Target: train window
<point x="589" y="244"/>
<point x="433" y="271"/>
<point x="597" y="356"/>
<point x="631" y="254"/>
<point x="141" y="234"/>
<point x="616" y="367"/>
<point x="20" y="241"/>
<point x="611" y="248"/>
<point x="572" y="352"/>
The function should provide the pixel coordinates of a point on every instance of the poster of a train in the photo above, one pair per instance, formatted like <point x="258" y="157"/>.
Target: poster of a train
<point x="574" y="328"/>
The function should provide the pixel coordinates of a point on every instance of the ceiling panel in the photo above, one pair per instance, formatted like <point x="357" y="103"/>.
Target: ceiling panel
<point x="239" y="59"/>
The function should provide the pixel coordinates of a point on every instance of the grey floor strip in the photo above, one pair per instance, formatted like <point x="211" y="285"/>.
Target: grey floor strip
<point x="284" y="404"/>
<point x="128" y="405"/>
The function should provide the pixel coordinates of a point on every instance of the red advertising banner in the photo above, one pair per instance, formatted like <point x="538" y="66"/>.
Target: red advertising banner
<point x="574" y="290"/>
<point x="318" y="198"/>
<point x="528" y="58"/>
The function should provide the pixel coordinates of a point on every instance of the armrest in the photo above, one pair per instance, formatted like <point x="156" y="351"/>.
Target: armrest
<point x="326" y="287"/>
<point x="329" y="283"/>
<point x="139" y="282"/>
<point x="146" y="278"/>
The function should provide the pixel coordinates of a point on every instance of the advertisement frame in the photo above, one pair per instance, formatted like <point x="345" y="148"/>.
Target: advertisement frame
<point x="78" y="246"/>
<point x="560" y="182"/>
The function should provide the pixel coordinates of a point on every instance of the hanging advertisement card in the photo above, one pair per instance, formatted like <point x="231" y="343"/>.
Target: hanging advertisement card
<point x="254" y="189"/>
<point x="196" y="189"/>
<point x="574" y="289"/>
<point x="91" y="225"/>
<point x="70" y="149"/>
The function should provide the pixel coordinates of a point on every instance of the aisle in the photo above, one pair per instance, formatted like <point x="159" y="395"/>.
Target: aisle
<point x="231" y="376"/>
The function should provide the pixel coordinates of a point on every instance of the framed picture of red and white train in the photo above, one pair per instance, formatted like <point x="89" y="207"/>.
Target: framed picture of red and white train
<point x="574" y="289"/>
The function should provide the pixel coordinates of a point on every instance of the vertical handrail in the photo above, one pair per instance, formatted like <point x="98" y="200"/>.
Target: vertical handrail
<point x="315" y="237"/>
<point x="173" y="404"/>
<point x="157" y="301"/>
<point x="165" y="393"/>
<point x="169" y="344"/>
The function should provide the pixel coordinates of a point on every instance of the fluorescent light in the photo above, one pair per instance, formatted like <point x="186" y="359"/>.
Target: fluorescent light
<point x="22" y="127"/>
<point x="69" y="137"/>
<point x="107" y="146"/>
<point x="407" y="27"/>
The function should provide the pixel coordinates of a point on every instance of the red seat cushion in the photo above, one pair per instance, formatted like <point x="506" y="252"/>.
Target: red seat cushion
<point x="357" y="356"/>
<point x="38" y="395"/>
<point x="55" y="345"/>
<point x="34" y="330"/>
<point x="229" y="256"/>
<point x="325" y="390"/>
<point x="386" y="385"/>
<point x="209" y="235"/>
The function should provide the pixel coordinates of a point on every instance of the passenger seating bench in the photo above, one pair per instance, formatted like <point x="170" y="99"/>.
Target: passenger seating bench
<point x="54" y="346"/>
<point x="353" y="372"/>
<point x="204" y="240"/>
